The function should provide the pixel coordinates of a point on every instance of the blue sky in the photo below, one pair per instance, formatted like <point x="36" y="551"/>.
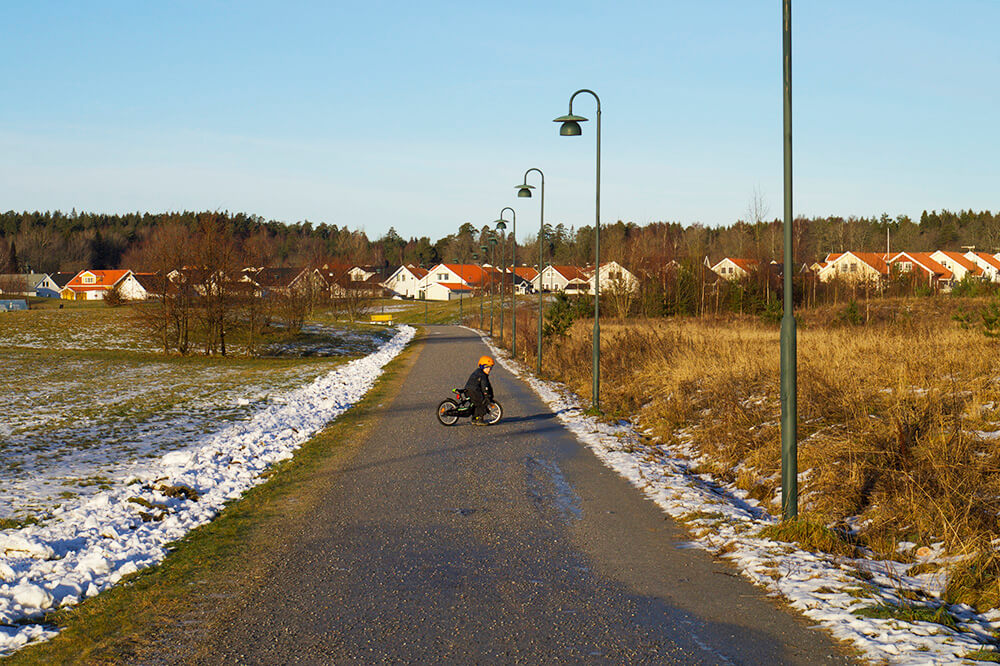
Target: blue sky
<point x="423" y="116"/>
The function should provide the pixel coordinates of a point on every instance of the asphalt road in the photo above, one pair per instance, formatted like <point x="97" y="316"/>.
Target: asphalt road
<point x="506" y="544"/>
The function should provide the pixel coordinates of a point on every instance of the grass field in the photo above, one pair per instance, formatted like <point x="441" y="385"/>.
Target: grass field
<point x="86" y="399"/>
<point x="898" y="421"/>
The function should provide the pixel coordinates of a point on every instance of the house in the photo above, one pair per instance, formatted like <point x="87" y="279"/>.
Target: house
<point x="569" y="279"/>
<point x="406" y="281"/>
<point x="921" y="263"/>
<point x="61" y="279"/>
<point x="469" y="275"/>
<point x="92" y="285"/>
<point x="28" y="284"/>
<point x="989" y="264"/>
<point x="447" y="291"/>
<point x="855" y="267"/>
<point x="287" y="281"/>
<point x="614" y="277"/>
<point x="361" y="273"/>
<point x="524" y="279"/>
<point x="959" y="265"/>
<point x="733" y="268"/>
<point x="154" y="284"/>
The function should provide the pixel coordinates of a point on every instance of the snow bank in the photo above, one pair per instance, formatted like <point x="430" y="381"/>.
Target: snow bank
<point x="823" y="588"/>
<point x="88" y="548"/>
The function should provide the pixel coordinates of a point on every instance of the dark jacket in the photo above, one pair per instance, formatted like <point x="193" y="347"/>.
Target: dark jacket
<point x="479" y="384"/>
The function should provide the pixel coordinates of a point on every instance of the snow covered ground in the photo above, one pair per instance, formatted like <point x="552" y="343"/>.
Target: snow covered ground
<point x="91" y="543"/>
<point x="76" y="423"/>
<point x="723" y="520"/>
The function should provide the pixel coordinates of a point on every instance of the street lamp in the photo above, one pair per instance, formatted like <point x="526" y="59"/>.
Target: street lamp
<point x="524" y="191"/>
<point x="571" y="127"/>
<point x="459" y="299"/>
<point x="493" y="258"/>
<point x="513" y="267"/>
<point x="501" y="226"/>
<point x="789" y="399"/>
<point x="482" y="285"/>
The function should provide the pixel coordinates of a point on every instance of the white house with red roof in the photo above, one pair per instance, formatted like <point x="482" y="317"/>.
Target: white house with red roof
<point x="406" y="281"/>
<point x="448" y="291"/>
<point x="472" y="276"/>
<point x="959" y="265"/>
<point x="733" y="268"/>
<point x="93" y="285"/>
<point x="614" y="277"/>
<point x="564" y="278"/>
<point x="989" y="264"/>
<point x="525" y="278"/>
<point x="908" y="262"/>
<point x="855" y="267"/>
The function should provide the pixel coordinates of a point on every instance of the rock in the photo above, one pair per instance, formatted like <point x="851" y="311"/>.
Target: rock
<point x="180" y="490"/>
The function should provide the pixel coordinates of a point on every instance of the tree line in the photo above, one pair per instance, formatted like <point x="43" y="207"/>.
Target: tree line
<point x="56" y="241"/>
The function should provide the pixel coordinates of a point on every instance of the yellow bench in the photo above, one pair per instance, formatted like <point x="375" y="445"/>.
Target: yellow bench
<point x="382" y="319"/>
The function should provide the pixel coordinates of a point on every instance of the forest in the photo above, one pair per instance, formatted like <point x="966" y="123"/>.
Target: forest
<point x="56" y="241"/>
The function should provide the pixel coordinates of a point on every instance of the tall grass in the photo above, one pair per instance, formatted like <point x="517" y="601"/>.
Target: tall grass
<point x="895" y="417"/>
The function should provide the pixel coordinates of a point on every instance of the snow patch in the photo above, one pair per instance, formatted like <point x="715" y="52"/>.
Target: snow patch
<point x="87" y="548"/>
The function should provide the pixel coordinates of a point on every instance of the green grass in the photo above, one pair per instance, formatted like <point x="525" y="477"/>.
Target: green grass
<point x="983" y="655"/>
<point x="909" y="613"/>
<point x="811" y="534"/>
<point x="154" y="610"/>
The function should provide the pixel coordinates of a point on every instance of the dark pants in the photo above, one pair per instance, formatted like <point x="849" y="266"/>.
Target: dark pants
<point x="480" y="402"/>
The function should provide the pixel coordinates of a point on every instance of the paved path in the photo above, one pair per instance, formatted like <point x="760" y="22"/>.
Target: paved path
<point x="507" y="544"/>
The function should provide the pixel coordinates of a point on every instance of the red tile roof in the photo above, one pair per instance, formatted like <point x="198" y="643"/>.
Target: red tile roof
<point x="105" y="279"/>
<point x="989" y="259"/>
<point x="455" y="286"/>
<point x="571" y="273"/>
<point x="472" y="273"/>
<point x="923" y="259"/>
<point x="964" y="262"/>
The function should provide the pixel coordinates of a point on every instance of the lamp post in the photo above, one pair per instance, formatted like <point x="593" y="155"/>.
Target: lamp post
<point x="482" y="285"/>
<point x="501" y="226"/>
<point x="459" y="299"/>
<point x="524" y="191"/>
<point x="571" y="127"/>
<point x="493" y="257"/>
<point x="789" y="399"/>
<point x="513" y="267"/>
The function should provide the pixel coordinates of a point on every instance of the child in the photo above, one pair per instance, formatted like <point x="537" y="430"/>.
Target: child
<point x="479" y="389"/>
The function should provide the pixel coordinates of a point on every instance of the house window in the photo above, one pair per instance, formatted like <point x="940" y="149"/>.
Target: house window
<point x="906" y="266"/>
<point x="854" y="267"/>
<point x="442" y="277"/>
<point x="89" y="279"/>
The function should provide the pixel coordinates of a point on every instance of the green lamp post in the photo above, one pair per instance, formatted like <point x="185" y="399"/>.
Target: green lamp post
<point x="524" y="191"/>
<point x="501" y="227"/>
<point x="789" y="398"/>
<point x="459" y="297"/>
<point x="513" y="267"/>
<point x="493" y="257"/>
<point x="482" y="285"/>
<point x="571" y="127"/>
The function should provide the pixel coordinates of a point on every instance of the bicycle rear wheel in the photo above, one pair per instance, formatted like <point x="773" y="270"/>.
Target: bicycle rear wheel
<point x="445" y="412"/>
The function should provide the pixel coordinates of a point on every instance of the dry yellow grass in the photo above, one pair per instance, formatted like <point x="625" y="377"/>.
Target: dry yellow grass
<point x="893" y="417"/>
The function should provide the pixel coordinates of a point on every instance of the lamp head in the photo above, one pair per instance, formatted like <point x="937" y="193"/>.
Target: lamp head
<point x="493" y="240"/>
<point x="570" y="125"/>
<point x="501" y="225"/>
<point x="524" y="190"/>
